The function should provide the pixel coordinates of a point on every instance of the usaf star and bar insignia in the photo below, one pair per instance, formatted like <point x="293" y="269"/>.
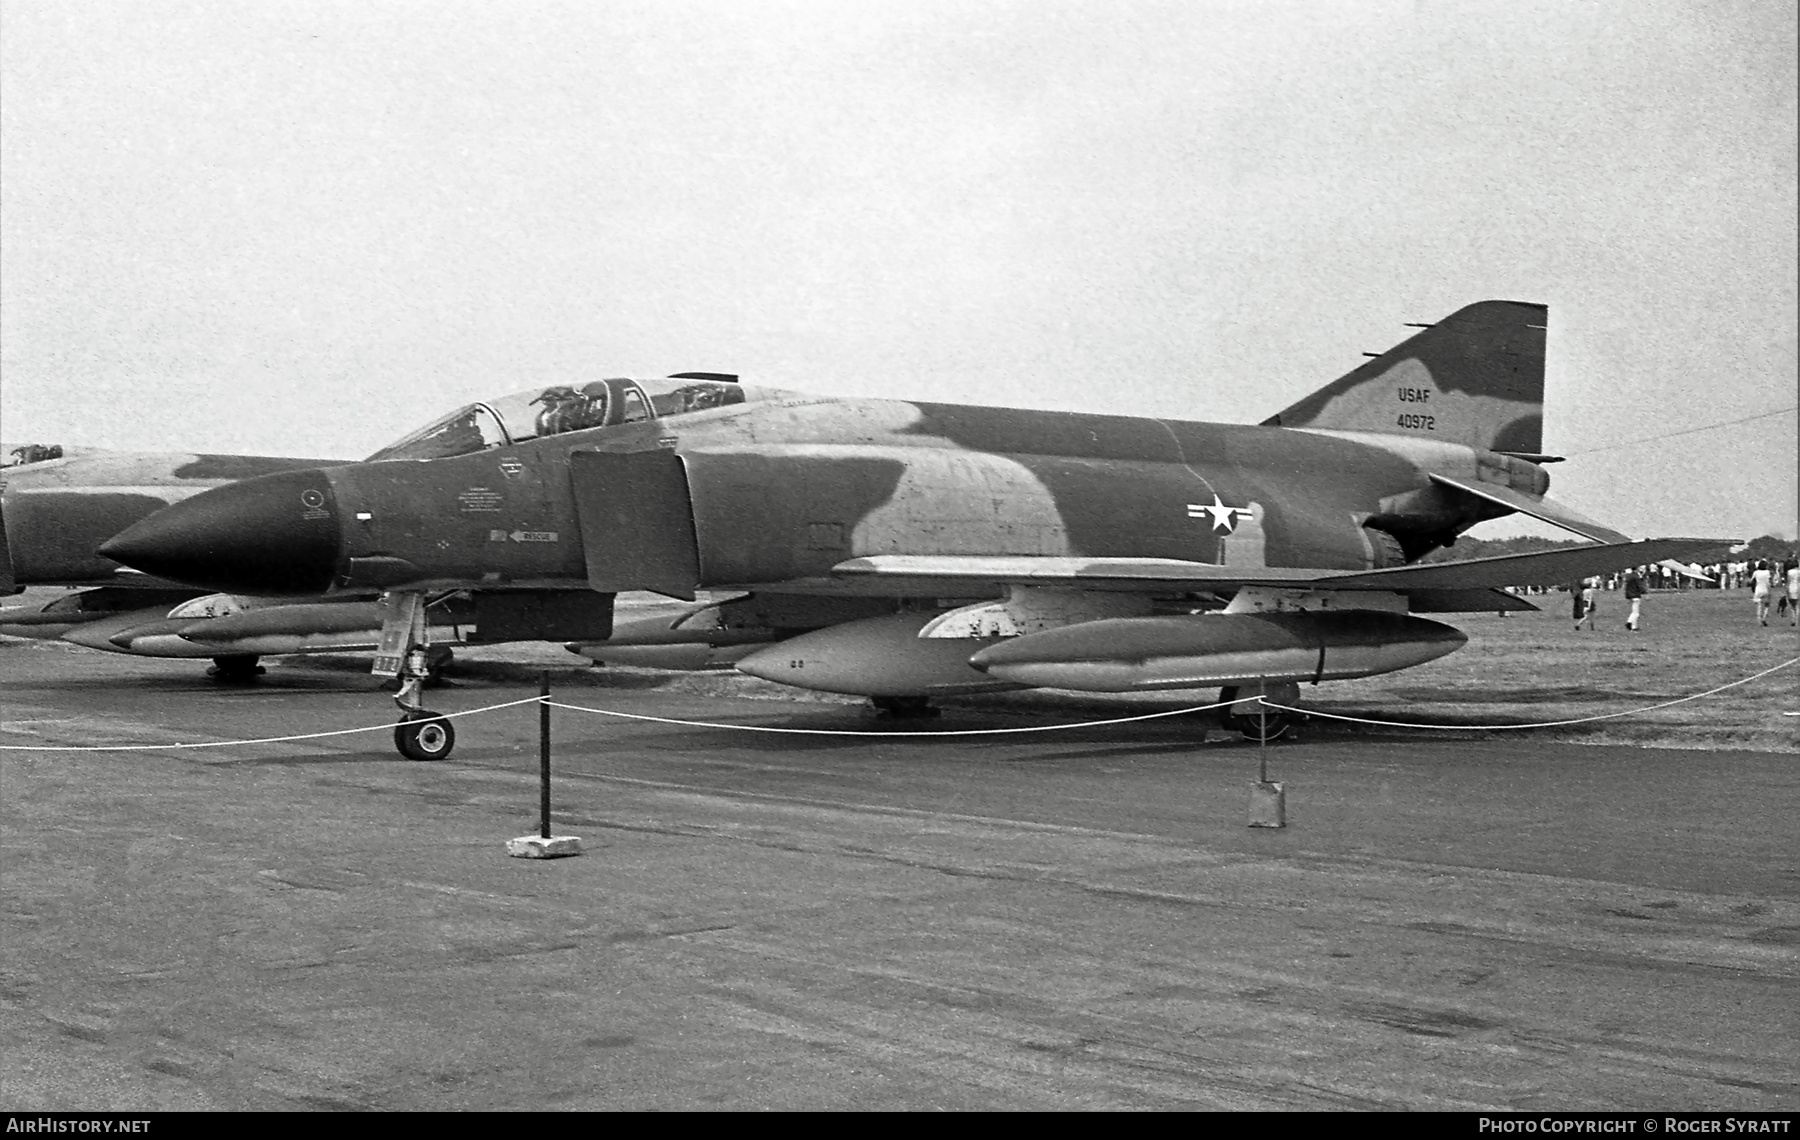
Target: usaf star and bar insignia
<point x="1223" y="518"/>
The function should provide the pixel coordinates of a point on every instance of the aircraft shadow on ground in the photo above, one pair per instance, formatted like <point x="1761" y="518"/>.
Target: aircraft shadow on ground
<point x="1397" y="722"/>
<point x="311" y="759"/>
<point x="1511" y="696"/>
<point x="269" y="686"/>
<point x="574" y="673"/>
<point x="1121" y="739"/>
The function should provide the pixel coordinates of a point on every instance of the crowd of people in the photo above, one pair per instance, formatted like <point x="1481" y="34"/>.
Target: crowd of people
<point x="1774" y="586"/>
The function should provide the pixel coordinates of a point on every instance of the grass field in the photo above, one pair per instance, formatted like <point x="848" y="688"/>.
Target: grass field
<point x="1535" y="667"/>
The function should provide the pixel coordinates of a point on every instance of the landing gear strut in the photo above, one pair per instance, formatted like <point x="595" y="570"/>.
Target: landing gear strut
<point x="237" y="669"/>
<point x="405" y="655"/>
<point x="437" y="659"/>
<point x="1254" y="721"/>
<point x="904" y="708"/>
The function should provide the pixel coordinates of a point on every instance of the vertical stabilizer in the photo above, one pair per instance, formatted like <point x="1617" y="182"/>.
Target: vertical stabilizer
<point x="1475" y="378"/>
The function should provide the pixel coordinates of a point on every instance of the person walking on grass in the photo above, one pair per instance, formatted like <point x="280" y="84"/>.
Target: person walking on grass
<point x="1590" y="602"/>
<point x="1634" y="593"/>
<point x="1576" y="603"/>
<point x="1760" y="581"/>
<point x="1793" y="589"/>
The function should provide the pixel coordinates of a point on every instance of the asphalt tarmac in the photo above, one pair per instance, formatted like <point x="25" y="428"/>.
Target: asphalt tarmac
<point x="1047" y="921"/>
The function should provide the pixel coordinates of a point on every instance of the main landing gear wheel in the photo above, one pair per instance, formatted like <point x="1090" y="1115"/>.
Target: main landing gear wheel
<point x="904" y="708"/>
<point x="1270" y="725"/>
<point x="423" y="735"/>
<point x="236" y="669"/>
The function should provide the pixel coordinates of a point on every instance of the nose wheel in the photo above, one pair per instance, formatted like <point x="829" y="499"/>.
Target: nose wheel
<point x="423" y="735"/>
<point x="405" y="655"/>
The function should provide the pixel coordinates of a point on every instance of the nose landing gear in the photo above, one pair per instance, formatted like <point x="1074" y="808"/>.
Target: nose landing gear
<point x="404" y="654"/>
<point x="421" y="733"/>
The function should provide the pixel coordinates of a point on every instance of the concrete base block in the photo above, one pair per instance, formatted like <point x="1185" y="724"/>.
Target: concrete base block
<point x="537" y="847"/>
<point x="1268" y="804"/>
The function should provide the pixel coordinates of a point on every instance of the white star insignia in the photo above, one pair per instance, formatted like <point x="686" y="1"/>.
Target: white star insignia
<point x="1224" y="518"/>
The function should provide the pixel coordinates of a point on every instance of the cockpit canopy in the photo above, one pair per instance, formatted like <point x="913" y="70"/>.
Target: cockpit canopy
<point x="33" y="453"/>
<point x="540" y="412"/>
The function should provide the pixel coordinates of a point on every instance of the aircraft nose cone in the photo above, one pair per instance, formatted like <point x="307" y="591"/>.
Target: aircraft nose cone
<point x="275" y="534"/>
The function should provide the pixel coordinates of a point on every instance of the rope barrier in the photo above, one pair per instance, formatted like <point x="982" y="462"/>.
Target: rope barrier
<point x="913" y="735"/>
<point x="262" y="740"/>
<point x="1539" y="724"/>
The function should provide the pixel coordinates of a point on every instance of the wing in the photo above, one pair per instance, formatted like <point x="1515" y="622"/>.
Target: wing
<point x="1443" y="586"/>
<point x="949" y="573"/>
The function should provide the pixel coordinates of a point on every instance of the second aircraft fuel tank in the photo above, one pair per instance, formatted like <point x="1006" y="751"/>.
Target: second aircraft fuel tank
<point x="1123" y="655"/>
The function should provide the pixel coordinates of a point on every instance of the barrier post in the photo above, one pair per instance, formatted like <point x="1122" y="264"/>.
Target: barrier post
<point x="544" y="755"/>
<point x="543" y="845"/>
<point x="1268" y="802"/>
<point x="1262" y="740"/>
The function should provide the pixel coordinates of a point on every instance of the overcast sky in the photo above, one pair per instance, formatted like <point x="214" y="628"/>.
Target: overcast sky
<point x="304" y="228"/>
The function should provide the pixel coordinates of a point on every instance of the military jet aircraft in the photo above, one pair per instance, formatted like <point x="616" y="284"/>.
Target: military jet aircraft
<point x="903" y="550"/>
<point x="58" y="504"/>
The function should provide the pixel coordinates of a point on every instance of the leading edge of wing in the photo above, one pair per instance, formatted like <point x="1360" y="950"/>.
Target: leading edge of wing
<point x="1085" y="573"/>
<point x="1546" y="568"/>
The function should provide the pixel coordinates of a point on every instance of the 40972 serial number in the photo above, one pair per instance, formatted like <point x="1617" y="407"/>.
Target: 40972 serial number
<point x="1417" y="422"/>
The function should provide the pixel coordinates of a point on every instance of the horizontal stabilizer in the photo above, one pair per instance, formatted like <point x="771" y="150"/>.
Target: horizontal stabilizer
<point x="1545" y="568"/>
<point x="1537" y="507"/>
<point x="1685" y="570"/>
<point x="1483" y="601"/>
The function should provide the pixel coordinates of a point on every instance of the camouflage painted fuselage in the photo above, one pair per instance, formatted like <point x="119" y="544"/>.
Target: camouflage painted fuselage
<point x="786" y="486"/>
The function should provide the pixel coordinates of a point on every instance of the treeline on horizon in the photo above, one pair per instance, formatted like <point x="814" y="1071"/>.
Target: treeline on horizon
<point x="1469" y="549"/>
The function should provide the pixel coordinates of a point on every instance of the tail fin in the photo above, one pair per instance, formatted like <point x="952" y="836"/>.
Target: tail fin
<point x="1476" y="378"/>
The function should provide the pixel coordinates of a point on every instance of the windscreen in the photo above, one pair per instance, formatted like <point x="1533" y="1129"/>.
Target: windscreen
<point x="473" y="428"/>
